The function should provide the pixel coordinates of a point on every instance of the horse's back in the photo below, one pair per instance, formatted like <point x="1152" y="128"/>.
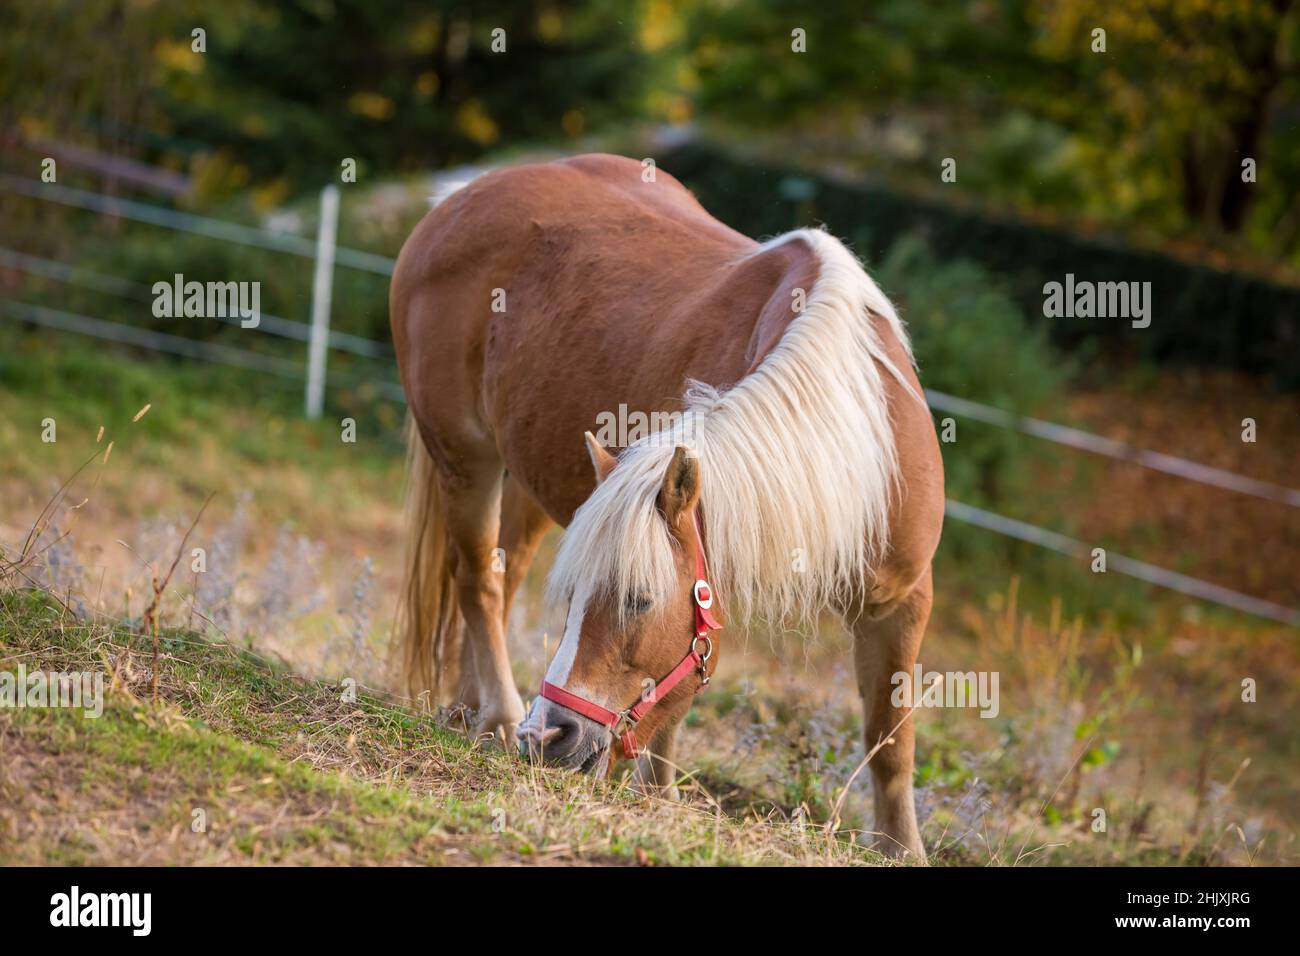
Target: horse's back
<point x="576" y="264"/>
<point x="647" y="188"/>
<point x="594" y="194"/>
<point x="522" y="224"/>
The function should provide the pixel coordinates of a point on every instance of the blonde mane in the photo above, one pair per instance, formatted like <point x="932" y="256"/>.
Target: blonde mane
<point x="797" y="461"/>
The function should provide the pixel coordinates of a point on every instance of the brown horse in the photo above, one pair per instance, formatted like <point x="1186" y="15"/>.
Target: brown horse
<point x="789" y="460"/>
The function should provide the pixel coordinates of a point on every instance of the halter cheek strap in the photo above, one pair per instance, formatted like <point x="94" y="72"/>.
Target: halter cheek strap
<point x="623" y="724"/>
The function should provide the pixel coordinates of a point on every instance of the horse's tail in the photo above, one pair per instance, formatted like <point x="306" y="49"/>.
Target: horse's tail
<point x="428" y="618"/>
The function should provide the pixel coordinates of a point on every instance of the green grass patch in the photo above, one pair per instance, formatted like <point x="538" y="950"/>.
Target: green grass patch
<point x="284" y="769"/>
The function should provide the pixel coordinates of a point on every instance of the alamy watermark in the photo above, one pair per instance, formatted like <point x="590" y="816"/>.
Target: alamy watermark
<point x="75" y="908"/>
<point x="623" y="428"/>
<point x="950" y="689"/>
<point x="1099" y="300"/>
<point x="75" y="690"/>
<point x="208" y="300"/>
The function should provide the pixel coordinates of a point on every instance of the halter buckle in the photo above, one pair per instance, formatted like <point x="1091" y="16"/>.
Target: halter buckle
<point x="704" y="658"/>
<point x="625" y="724"/>
<point x="703" y="594"/>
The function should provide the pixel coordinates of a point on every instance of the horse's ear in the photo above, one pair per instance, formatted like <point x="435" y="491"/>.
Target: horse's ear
<point x="681" y="488"/>
<point x="601" y="460"/>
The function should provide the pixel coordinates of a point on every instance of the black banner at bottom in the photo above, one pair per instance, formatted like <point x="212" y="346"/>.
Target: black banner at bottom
<point x="919" y="904"/>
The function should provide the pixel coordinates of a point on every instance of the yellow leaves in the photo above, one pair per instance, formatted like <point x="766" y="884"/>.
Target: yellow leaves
<point x="423" y="36"/>
<point x="217" y="174"/>
<point x="472" y="120"/>
<point x="708" y="51"/>
<point x="177" y="55"/>
<point x="686" y="78"/>
<point x="550" y="25"/>
<point x="573" y="122"/>
<point x="673" y="107"/>
<point x="35" y="127"/>
<point x="254" y="125"/>
<point x="426" y="84"/>
<point x="272" y="195"/>
<point x="679" y="109"/>
<point x="373" y="106"/>
<point x="660" y="26"/>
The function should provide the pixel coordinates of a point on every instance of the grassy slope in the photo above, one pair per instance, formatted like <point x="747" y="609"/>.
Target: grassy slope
<point x="287" y="770"/>
<point x="774" y="740"/>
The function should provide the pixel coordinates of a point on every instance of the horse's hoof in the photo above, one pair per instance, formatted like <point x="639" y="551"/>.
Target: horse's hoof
<point x="493" y="734"/>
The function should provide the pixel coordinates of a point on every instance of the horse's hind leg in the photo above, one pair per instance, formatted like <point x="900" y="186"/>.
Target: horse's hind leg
<point x="474" y="519"/>
<point x="883" y="646"/>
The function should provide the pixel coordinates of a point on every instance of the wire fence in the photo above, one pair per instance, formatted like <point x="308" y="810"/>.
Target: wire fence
<point x="188" y="348"/>
<point x="323" y="250"/>
<point x="124" y="288"/>
<point x="188" y="222"/>
<point x="150" y="339"/>
<point x="1110" y="448"/>
<point x="1131" y="567"/>
<point x="318" y="336"/>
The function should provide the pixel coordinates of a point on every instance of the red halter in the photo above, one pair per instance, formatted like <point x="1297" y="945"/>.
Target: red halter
<point x="623" y="724"/>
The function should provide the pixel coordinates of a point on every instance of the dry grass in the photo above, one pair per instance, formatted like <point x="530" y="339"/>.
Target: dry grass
<point x="291" y="770"/>
<point x="1145" y="723"/>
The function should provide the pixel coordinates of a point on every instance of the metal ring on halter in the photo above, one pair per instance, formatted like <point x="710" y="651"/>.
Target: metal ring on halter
<point x="624" y="724"/>
<point x="708" y="647"/>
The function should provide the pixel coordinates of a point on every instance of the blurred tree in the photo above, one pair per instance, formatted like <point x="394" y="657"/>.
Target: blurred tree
<point x="1150" y="132"/>
<point x="79" y="75"/>
<point x="1191" y="82"/>
<point x="293" y="88"/>
<point x="283" y="92"/>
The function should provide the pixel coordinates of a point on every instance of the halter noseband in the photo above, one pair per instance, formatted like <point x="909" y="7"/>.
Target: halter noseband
<point x="623" y="724"/>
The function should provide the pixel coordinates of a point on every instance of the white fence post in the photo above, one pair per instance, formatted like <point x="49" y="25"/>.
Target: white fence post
<point x="322" y="285"/>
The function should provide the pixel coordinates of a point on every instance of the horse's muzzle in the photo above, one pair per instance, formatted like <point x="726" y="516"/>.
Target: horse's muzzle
<point x="561" y="737"/>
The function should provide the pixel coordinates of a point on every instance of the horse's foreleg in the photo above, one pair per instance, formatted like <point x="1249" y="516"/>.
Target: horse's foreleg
<point x="882" y="647"/>
<point x="474" y="520"/>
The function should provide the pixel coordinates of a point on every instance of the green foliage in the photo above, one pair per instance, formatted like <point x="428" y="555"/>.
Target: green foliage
<point x="285" y="91"/>
<point x="971" y="340"/>
<point x="291" y="89"/>
<point x="1149" y="131"/>
<point x="253" y="416"/>
<point x="1201" y="314"/>
<point x="1149" y="134"/>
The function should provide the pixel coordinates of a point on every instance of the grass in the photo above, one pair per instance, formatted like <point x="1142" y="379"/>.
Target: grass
<point x="1129" y="706"/>
<point x="284" y="489"/>
<point x="281" y="769"/>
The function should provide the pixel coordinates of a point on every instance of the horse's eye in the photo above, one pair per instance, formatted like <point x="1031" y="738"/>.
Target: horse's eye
<point x="636" y="603"/>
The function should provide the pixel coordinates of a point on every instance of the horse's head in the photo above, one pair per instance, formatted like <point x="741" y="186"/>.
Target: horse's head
<point x="631" y="657"/>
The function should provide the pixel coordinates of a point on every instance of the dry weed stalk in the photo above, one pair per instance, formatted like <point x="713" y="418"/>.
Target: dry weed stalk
<point x="833" y="824"/>
<point x="149" y="622"/>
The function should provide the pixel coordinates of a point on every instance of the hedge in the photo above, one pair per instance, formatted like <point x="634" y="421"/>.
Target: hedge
<point x="1200" y="314"/>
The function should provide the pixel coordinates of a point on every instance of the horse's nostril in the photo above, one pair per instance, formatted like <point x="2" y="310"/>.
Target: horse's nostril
<point x="537" y="743"/>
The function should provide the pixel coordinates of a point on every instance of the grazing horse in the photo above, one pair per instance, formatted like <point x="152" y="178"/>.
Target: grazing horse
<point x="794" y="468"/>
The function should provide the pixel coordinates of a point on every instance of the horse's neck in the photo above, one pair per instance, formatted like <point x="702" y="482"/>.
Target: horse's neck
<point x="724" y="332"/>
